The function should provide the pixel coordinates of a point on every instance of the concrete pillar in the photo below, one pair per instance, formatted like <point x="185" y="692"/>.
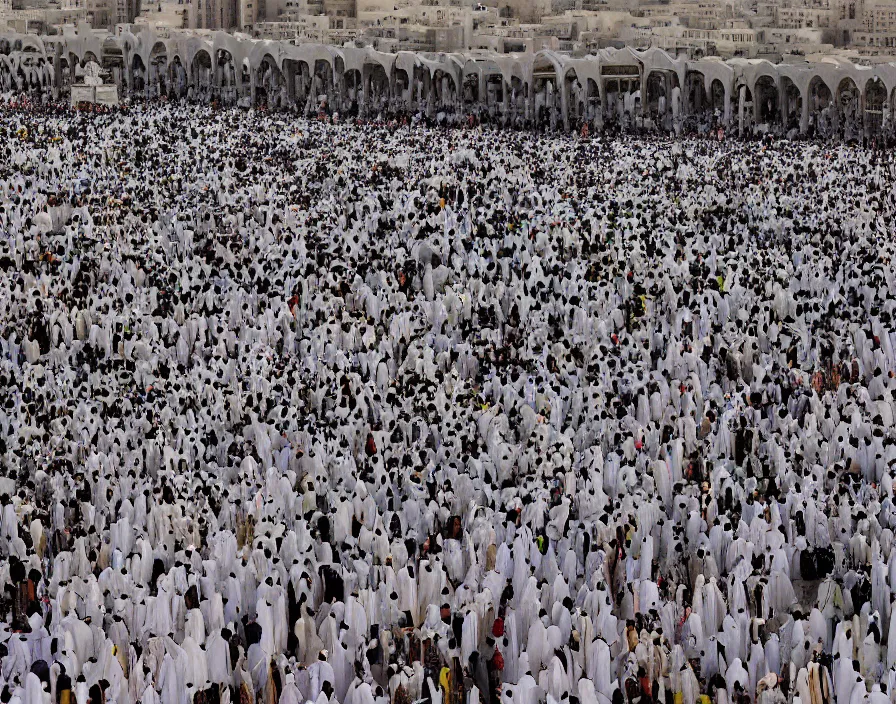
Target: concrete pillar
<point x="393" y="87"/>
<point x="804" y="114"/>
<point x="756" y="106"/>
<point x="253" y="80"/>
<point x="564" y="102"/>
<point x="366" y="81"/>
<point x="645" y="75"/>
<point x="290" y="74"/>
<point x="783" y="104"/>
<point x="429" y="92"/>
<point x="505" y="94"/>
<point x="238" y="79"/>
<point x="726" y="113"/>
<point x="57" y="71"/>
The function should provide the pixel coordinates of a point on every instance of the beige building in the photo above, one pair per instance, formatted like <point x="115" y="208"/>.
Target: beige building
<point x="770" y="29"/>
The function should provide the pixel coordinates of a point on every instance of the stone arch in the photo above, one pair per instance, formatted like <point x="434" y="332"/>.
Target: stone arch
<point x="819" y="94"/>
<point x="517" y="92"/>
<point x="65" y="71"/>
<point x="401" y="84"/>
<point x="353" y="84"/>
<point x="592" y="90"/>
<point x="177" y="78"/>
<point x="6" y="73"/>
<point x="621" y="92"/>
<point x="470" y="86"/>
<point x="791" y="105"/>
<point x="444" y="88"/>
<point x="31" y="43"/>
<point x="696" y="98"/>
<point x="290" y="69"/>
<point x="745" y="109"/>
<point x="848" y="104"/>
<point x="657" y="99"/>
<point x="546" y="90"/>
<point x="227" y="78"/>
<point x="875" y="104"/>
<point x="322" y="84"/>
<point x="200" y="82"/>
<point x="495" y="92"/>
<point x="114" y="61"/>
<point x="301" y="79"/>
<point x="717" y="96"/>
<point x="268" y="83"/>
<point x="765" y="100"/>
<point x="158" y="69"/>
<point x="139" y="73"/>
<point x="891" y="114"/>
<point x="575" y="97"/>
<point x="376" y="84"/>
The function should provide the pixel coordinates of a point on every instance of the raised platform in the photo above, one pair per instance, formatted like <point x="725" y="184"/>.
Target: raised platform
<point x="102" y="94"/>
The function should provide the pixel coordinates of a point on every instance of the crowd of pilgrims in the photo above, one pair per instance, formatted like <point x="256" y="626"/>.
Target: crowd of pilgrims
<point x="353" y="414"/>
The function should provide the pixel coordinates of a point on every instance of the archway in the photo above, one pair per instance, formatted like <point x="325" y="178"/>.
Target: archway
<point x="443" y="88"/>
<point x="792" y="105"/>
<point x="745" y="111"/>
<point x="158" y="70"/>
<point x="658" y="102"/>
<point x="300" y="77"/>
<point x="322" y="85"/>
<point x="765" y="102"/>
<point x="6" y="74"/>
<point x="822" y="114"/>
<point x="177" y="78"/>
<point x="546" y="92"/>
<point x="495" y="93"/>
<point x="696" y="99"/>
<point x="717" y="98"/>
<point x="29" y="71"/>
<point x="518" y="95"/>
<point x="201" y="76"/>
<point x="401" y="84"/>
<point x="352" y="80"/>
<point x="113" y="61"/>
<point x="890" y="116"/>
<point x="269" y="84"/>
<point x="576" y="99"/>
<point x="848" y="104"/>
<point x="376" y="88"/>
<point x="621" y="97"/>
<point x="65" y="73"/>
<point x="138" y="72"/>
<point x="226" y="77"/>
<point x="875" y="102"/>
<point x="470" y="91"/>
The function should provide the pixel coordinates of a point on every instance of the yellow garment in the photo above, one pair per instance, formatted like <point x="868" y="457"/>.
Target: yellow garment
<point x="445" y="679"/>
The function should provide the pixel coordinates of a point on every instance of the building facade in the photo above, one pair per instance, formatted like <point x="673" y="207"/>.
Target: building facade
<point x="612" y="86"/>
